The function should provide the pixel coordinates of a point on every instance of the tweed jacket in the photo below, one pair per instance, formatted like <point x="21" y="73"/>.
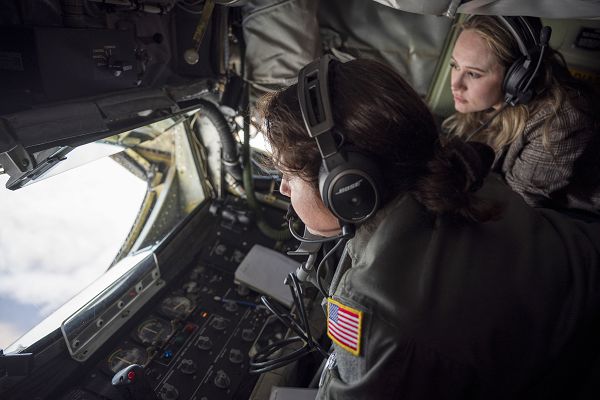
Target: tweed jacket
<point x="561" y="174"/>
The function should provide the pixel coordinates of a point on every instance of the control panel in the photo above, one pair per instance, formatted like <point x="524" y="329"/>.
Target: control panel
<point x="194" y="341"/>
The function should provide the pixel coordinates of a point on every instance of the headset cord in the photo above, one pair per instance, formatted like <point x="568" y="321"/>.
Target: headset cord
<point x="262" y="361"/>
<point x="347" y="233"/>
<point x="318" y="270"/>
<point x="486" y="123"/>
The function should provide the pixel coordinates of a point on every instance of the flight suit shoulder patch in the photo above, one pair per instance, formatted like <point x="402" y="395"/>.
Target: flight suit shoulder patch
<point x="344" y="326"/>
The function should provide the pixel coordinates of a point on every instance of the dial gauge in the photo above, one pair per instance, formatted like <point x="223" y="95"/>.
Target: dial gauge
<point x="154" y="331"/>
<point x="124" y="357"/>
<point x="176" y="307"/>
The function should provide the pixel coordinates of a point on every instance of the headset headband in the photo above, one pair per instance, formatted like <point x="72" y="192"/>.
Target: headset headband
<point x="522" y="31"/>
<point x="315" y="104"/>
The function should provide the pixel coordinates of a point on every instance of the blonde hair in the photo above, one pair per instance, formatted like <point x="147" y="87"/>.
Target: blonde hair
<point x="552" y="87"/>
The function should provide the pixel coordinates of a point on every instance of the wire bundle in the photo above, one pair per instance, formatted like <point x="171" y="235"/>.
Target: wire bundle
<point x="264" y="361"/>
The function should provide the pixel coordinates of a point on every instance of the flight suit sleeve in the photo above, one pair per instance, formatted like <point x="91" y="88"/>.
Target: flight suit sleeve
<point x="392" y="366"/>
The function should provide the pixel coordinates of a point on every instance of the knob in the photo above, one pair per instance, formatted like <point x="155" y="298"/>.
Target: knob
<point x="168" y="392"/>
<point x="118" y="67"/>
<point x="191" y="56"/>
<point x="242" y="290"/>
<point x="219" y="323"/>
<point x="204" y="343"/>
<point x="191" y="287"/>
<point x="220" y="249"/>
<point x="230" y="306"/>
<point x="222" y="380"/>
<point x="236" y="356"/>
<point x="248" y="334"/>
<point x="188" y="366"/>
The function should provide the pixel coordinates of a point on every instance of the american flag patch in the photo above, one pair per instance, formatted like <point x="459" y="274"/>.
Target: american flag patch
<point x="344" y="326"/>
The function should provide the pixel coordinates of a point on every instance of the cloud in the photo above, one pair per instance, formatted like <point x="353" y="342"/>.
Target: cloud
<point x="8" y="334"/>
<point x="60" y="234"/>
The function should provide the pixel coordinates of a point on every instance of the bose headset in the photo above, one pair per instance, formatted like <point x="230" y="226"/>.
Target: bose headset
<point x="349" y="183"/>
<point x="532" y="42"/>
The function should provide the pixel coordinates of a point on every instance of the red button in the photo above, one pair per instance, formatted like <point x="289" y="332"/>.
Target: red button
<point x="131" y="375"/>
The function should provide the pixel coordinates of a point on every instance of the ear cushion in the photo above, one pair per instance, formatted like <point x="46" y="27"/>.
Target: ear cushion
<point x="352" y="190"/>
<point x="515" y="80"/>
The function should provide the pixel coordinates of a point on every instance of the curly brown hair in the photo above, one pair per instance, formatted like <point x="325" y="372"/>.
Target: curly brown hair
<point x="378" y="114"/>
<point x="370" y="109"/>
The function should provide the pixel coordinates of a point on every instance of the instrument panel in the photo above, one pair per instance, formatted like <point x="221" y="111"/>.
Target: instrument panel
<point x="195" y="339"/>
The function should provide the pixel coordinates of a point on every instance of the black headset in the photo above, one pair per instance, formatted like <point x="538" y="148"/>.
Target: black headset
<point x="532" y="41"/>
<point x="349" y="182"/>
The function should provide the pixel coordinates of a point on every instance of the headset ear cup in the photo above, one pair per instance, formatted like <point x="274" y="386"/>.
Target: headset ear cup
<point x="353" y="190"/>
<point x="515" y="80"/>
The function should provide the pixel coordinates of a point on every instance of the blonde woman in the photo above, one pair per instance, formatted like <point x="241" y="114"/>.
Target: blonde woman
<point x="514" y="93"/>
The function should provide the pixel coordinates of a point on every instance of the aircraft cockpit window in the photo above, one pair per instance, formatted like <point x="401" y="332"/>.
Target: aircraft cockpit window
<point x="63" y="231"/>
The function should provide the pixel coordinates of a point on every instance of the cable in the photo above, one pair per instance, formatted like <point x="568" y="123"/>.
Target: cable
<point x="486" y="123"/>
<point x="318" y="271"/>
<point x="260" y="367"/>
<point x="230" y="158"/>
<point x="262" y="361"/>
<point x="347" y="233"/>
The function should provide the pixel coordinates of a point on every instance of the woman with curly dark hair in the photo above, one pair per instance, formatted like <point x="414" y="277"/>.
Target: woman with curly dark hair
<point x="452" y="286"/>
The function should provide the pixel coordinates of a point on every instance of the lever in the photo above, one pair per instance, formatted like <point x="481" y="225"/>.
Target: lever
<point x="133" y="384"/>
<point x="192" y="55"/>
